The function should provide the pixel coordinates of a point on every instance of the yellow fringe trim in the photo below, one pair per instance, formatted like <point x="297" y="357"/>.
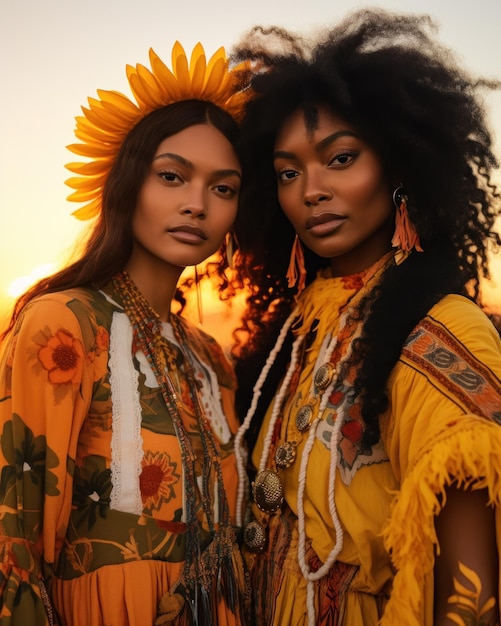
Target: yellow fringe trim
<point x="327" y="297"/>
<point x="471" y="455"/>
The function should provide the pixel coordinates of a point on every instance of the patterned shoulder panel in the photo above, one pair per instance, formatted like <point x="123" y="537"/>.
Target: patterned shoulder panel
<point x="437" y="354"/>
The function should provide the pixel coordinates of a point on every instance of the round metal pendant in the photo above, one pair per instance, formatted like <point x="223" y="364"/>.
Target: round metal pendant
<point x="255" y="536"/>
<point x="267" y="491"/>
<point x="304" y="416"/>
<point x="323" y="376"/>
<point x="285" y="455"/>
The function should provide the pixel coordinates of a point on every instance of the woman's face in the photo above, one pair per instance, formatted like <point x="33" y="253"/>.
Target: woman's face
<point x="332" y="188"/>
<point x="188" y="201"/>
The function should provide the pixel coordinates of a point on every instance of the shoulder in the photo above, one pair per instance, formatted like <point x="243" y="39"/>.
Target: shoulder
<point x="81" y="313"/>
<point x="460" y="313"/>
<point x="464" y="323"/>
<point x="80" y="302"/>
<point x="455" y="351"/>
<point x="56" y="300"/>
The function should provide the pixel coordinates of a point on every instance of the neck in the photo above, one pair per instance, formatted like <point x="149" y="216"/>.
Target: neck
<point x="157" y="287"/>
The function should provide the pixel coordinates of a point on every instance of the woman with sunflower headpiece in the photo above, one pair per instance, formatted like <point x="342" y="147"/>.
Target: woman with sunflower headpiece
<point x="118" y="482"/>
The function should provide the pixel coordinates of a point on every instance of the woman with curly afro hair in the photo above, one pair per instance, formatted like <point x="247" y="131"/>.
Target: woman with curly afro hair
<point x="369" y="373"/>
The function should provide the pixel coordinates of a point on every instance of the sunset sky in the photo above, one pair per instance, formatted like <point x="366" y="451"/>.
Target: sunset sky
<point x="56" y="53"/>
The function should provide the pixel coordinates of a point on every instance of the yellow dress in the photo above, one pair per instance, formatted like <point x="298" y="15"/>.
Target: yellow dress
<point x="92" y="528"/>
<point x="444" y="420"/>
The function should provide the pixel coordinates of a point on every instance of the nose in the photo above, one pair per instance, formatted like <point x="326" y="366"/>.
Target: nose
<point x="315" y="190"/>
<point x="195" y="205"/>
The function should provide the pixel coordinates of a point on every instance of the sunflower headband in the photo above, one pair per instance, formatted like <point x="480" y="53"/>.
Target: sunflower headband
<point x="108" y="120"/>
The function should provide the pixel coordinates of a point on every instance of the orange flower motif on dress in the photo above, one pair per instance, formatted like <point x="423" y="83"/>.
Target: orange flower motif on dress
<point x="102" y="340"/>
<point x="157" y="479"/>
<point x="62" y="357"/>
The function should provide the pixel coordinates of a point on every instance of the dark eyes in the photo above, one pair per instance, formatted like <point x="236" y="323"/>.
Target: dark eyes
<point x="338" y="161"/>
<point x="342" y="159"/>
<point x="226" y="190"/>
<point x="169" y="177"/>
<point x="222" y="189"/>
<point x="285" y="175"/>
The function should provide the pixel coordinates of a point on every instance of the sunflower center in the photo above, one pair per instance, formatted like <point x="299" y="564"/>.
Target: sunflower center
<point x="65" y="357"/>
<point x="150" y="480"/>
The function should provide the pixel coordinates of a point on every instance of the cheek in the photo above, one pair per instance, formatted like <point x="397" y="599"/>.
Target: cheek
<point x="139" y="220"/>
<point x="372" y="193"/>
<point x="226" y="217"/>
<point x="289" y="202"/>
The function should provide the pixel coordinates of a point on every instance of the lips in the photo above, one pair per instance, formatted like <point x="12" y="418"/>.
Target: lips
<point x="188" y="233"/>
<point x="324" y="224"/>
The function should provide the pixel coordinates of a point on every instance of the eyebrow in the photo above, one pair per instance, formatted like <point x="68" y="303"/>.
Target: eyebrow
<point x="189" y="164"/>
<point x="320" y="145"/>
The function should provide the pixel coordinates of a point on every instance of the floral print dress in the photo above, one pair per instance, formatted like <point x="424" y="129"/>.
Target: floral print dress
<point x="91" y="488"/>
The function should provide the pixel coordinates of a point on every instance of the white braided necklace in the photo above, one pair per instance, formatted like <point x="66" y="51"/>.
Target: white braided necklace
<point x="309" y="576"/>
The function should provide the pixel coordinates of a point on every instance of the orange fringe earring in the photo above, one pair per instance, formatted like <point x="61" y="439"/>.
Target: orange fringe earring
<point x="405" y="237"/>
<point x="231" y="245"/>
<point x="296" y="269"/>
<point x="198" y="289"/>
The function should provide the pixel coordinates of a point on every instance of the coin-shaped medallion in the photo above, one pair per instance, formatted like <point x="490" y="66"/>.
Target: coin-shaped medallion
<point x="267" y="491"/>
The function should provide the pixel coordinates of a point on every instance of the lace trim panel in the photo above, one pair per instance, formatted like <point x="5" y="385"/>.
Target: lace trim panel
<point x="126" y="440"/>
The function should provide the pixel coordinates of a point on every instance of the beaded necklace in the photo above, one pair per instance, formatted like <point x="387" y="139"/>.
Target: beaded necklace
<point x="267" y="488"/>
<point x="202" y="572"/>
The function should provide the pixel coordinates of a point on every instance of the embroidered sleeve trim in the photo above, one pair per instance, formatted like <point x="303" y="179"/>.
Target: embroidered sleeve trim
<point x="451" y="368"/>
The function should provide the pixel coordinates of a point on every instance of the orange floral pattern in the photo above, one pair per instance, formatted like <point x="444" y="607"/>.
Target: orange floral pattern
<point x="56" y="424"/>
<point x="157" y="479"/>
<point x="102" y="340"/>
<point x="63" y="358"/>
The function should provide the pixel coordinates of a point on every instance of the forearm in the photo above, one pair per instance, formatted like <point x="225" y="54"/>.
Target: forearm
<point x="467" y="567"/>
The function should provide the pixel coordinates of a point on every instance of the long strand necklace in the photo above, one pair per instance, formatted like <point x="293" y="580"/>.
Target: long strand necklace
<point x="199" y="575"/>
<point x="267" y="488"/>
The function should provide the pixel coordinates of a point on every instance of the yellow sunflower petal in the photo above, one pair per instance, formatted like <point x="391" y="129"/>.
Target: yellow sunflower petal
<point x="91" y="168"/>
<point x="151" y="86"/>
<point x="88" y="211"/>
<point x="105" y="119"/>
<point x="142" y="90"/>
<point x="118" y="101"/>
<point x="164" y="76"/>
<point x="181" y="69"/>
<point x="82" y="183"/>
<point x="87" y="131"/>
<point x="83" y="196"/>
<point x="91" y="151"/>
<point x="217" y="57"/>
<point x="198" y="76"/>
<point x="215" y="80"/>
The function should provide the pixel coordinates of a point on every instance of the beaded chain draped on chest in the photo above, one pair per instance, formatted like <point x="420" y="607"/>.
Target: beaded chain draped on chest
<point x="205" y="504"/>
<point x="319" y="375"/>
